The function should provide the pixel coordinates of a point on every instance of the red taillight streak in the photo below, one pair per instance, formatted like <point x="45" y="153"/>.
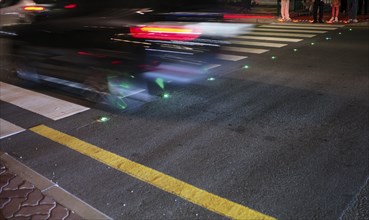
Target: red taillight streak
<point x="178" y="33"/>
<point x="91" y="54"/>
<point x="33" y="8"/>
<point x="70" y="6"/>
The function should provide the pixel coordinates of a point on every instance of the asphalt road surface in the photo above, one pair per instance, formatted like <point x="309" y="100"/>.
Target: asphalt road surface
<point x="283" y="133"/>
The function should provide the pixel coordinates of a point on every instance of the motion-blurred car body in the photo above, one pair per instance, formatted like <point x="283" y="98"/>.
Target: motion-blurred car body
<point x="12" y="11"/>
<point x="117" y="48"/>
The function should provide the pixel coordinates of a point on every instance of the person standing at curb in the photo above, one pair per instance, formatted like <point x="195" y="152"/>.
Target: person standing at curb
<point x="335" y="11"/>
<point x="318" y="5"/>
<point x="285" y="10"/>
<point x="352" y="11"/>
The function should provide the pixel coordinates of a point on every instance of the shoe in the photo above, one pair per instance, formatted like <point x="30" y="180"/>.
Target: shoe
<point x="349" y="21"/>
<point x="355" y="20"/>
<point x="336" y="19"/>
<point x="288" y="19"/>
<point x="331" y="20"/>
<point x="315" y="21"/>
<point x="321" y="21"/>
<point x="281" y="19"/>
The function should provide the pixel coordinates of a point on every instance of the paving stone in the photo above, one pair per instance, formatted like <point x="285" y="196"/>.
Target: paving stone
<point x="33" y="198"/>
<point x="19" y="193"/>
<point x="21" y="200"/>
<point x="59" y="212"/>
<point x="12" y="207"/>
<point x="20" y="218"/>
<point x="26" y="185"/>
<point x="35" y="210"/>
<point x="14" y="183"/>
<point x="47" y="200"/>
<point x="4" y="201"/>
<point x="42" y="217"/>
<point x="5" y="179"/>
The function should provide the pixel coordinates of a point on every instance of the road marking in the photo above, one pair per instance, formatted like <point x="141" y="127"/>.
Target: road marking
<point x="281" y="34"/>
<point x="269" y="38"/>
<point x="291" y="31"/>
<point x="244" y="50"/>
<point x="256" y="43"/>
<point x="229" y="57"/>
<point x="311" y="27"/>
<point x="7" y="129"/>
<point x="44" y="105"/>
<point x="160" y="180"/>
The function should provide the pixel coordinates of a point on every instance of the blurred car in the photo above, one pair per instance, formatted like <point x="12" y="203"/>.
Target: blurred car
<point x="12" y="11"/>
<point x="120" y="48"/>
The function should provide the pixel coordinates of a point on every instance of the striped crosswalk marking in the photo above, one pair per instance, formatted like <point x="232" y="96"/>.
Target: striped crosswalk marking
<point x="41" y="104"/>
<point x="310" y="25"/>
<point x="229" y="57"/>
<point x="7" y="129"/>
<point x="245" y="50"/>
<point x="257" y="43"/>
<point x="269" y="38"/>
<point x="281" y="34"/>
<point x="299" y="27"/>
<point x="291" y="30"/>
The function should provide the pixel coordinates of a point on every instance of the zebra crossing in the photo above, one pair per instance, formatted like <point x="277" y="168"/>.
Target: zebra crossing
<point x="41" y="104"/>
<point x="263" y="38"/>
<point x="256" y="40"/>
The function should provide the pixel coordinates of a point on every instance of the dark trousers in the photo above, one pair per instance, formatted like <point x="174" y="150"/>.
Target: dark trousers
<point x="318" y="5"/>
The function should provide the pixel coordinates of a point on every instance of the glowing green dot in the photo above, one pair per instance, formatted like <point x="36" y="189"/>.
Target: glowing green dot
<point x="274" y="57"/>
<point x="211" y="79"/>
<point x="312" y="43"/>
<point x="339" y="33"/>
<point x="246" y="67"/>
<point x="295" y="49"/>
<point x="350" y="29"/>
<point x="166" y="95"/>
<point x="103" y="119"/>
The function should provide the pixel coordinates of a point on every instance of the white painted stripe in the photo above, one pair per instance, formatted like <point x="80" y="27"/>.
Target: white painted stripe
<point x="269" y="38"/>
<point x="291" y="31"/>
<point x="212" y="66"/>
<point x="245" y="50"/>
<point x="7" y="129"/>
<point x="281" y="34"/>
<point x="310" y="24"/>
<point x="256" y="43"/>
<point x="44" y="105"/>
<point x="311" y="27"/>
<point x="229" y="57"/>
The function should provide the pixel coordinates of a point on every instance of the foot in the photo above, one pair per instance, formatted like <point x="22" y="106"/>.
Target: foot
<point x="355" y="20"/>
<point x="336" y="19"/>
<point x="331" y="20"/>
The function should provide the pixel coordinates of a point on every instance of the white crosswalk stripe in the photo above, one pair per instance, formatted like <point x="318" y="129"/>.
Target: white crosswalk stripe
<point x="262" y="38"/>
<point x="311" y="27"/>
<point x="281" y="34"/>
<point x="8" y="129"/>
<point x="292" y="30"/>
<point x="41" y="104"/>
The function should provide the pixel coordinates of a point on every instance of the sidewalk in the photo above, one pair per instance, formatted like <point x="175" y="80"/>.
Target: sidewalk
<point x="25" y="194"/>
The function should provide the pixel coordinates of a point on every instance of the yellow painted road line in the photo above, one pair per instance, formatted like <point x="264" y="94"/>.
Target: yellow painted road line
<point x="162" y="181"/>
